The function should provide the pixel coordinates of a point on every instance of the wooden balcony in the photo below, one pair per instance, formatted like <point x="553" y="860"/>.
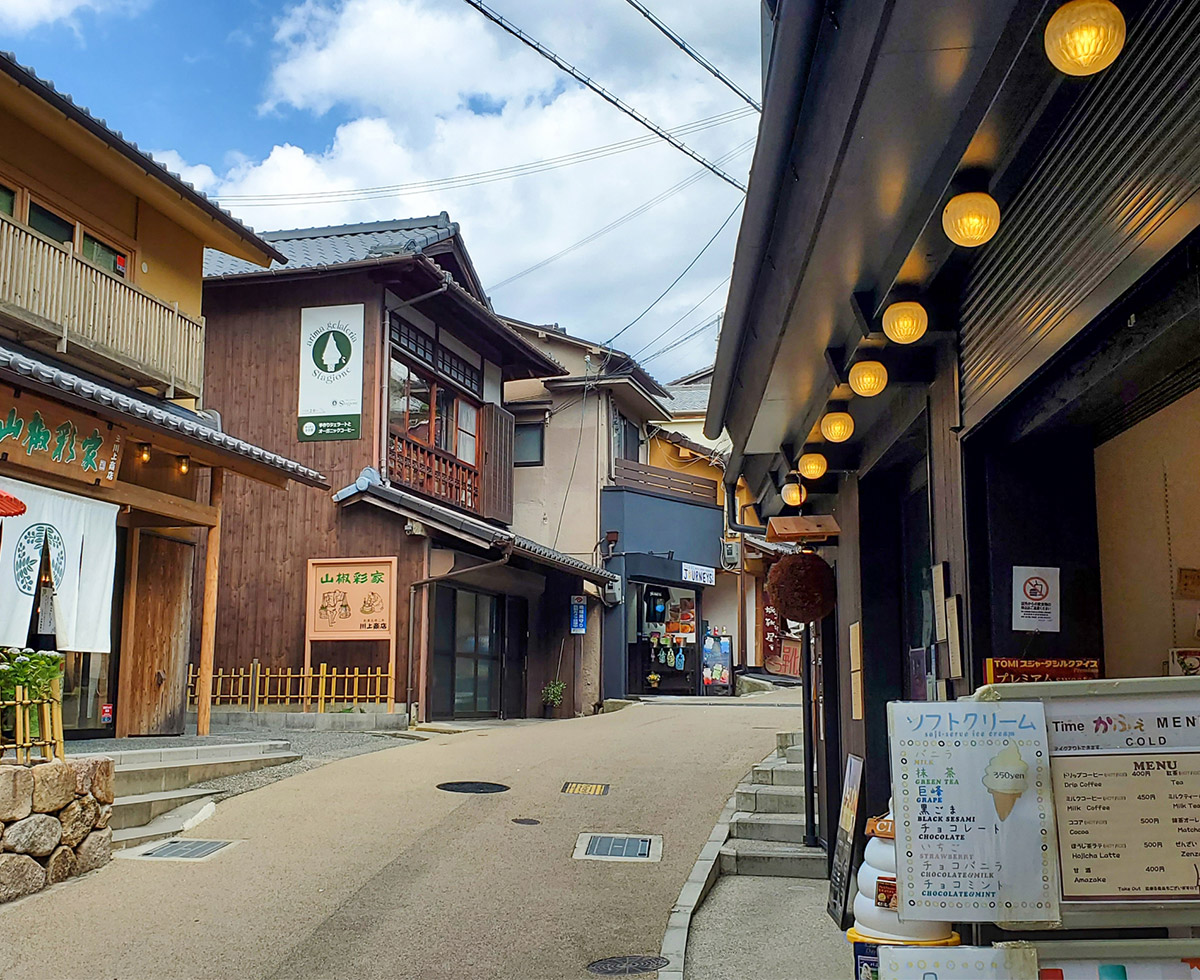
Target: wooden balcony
<point x="664" y="483"/>
<point x="433" y="473"/>
<point x="50" y="293"/>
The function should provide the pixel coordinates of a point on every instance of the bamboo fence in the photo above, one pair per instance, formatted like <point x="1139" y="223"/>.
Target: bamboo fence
<point x="37" y="724"/>
<point x="256" y="686"/>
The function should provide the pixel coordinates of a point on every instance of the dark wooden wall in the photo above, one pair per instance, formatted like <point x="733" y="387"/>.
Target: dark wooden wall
<point x="252" y="357"/>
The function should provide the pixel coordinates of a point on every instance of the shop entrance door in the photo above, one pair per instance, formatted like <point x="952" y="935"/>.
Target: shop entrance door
<point x="467" y="655"/>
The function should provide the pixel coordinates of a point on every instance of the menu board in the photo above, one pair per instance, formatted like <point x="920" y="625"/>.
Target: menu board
<point x="974" y="820"/>
<point x="841" y="875"/>
<point x="1126" y="777"/>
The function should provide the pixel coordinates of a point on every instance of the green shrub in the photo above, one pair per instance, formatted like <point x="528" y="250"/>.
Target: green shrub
<point x="553" y="692"/>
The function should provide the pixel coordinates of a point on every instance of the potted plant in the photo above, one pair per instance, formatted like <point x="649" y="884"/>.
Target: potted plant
<point x="552" y="696"/>
<point x="652" y="679"/>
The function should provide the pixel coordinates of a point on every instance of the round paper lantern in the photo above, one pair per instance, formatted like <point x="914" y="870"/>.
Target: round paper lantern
<point x="905" y="323"/>
<point x="802" y="587"/>
<point x="1085" y="36"/>
<point x="794" y="494"/>
<point x="812" y="466"/>
<point x="837" y="426"/>
<point x="971" y="219"/>
<point x="868" y="378"/>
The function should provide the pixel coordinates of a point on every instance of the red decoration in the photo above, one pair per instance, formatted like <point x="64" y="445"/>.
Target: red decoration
<point x="802" y="587"/>
<point x="10" y="506"/>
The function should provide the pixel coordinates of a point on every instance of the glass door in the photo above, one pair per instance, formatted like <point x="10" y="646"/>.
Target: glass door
<point x="467" y="651"/>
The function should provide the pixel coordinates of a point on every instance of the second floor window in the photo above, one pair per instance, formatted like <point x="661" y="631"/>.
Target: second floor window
<point x="8" y="200"/>
<point x="50" y="224"/>
<point x="432" y="414"/>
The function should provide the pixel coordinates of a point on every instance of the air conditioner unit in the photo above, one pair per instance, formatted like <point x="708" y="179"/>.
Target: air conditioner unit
<point x="731" y="553"/>
<point x="612" y="592"/>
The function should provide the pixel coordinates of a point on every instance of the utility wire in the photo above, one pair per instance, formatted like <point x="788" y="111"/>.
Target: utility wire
<point x="684" y="339"/>
<point x="675" y="281"/>
<point x="623" y="219"/>
<point x="471" y="179"/>
<point x="608" y="97"/>
<point x="695" y="55"/>
<point x="650" y="343"/>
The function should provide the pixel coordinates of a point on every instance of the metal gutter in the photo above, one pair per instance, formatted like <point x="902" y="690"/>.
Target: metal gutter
<point x="797" y="27"/>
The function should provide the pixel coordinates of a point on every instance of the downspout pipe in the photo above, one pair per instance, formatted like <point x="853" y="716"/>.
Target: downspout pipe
<point x="412" y="619"/>
<point x="732" y="517"/>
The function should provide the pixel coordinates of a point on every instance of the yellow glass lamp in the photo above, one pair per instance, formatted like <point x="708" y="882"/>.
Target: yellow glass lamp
<point x="812" y="466"/>
<point x="837" y="426"/>
<point x="794" y="494"/>
<point x="971" y="219"/>
<point x="868" y="378"/>
<point x="185" y="464"/>
<point x="1085" y="36"/>
<point x="905" y="322"/>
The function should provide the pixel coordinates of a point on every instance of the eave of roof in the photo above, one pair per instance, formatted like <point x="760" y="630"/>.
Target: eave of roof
<point x="618" y="361"/>
<point x="682" y="441"/>
<point x="654" y="407"/>
<point x="45" y="90"/>
<point x="370" y="485"/>
<point x="42" y="377"/>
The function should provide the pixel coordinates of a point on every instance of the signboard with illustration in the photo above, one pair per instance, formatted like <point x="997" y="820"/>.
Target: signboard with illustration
<point x="331" y="372"/>
<point x="44" y="435"/>
<point x="973" y="809"/>
<point x="351" y="598"/>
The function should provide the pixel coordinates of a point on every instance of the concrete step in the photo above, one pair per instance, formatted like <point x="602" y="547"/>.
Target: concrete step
<point x="785" y="739"/>
<point x="141" y="808"/>
<point x="169" y="824"/>
<point x="778" y="772"/>
<point x="795" y="755"/>
<point x="207" y="752"/>
<point x="757" y="798"/>
<point x="787" y="827"/>
<point x="772" y="858"/>
<point x="135" y="779"/>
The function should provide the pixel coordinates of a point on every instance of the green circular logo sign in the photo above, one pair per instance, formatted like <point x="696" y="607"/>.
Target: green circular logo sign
<point x="331" y="351"/>
<point x="27" y="556"/>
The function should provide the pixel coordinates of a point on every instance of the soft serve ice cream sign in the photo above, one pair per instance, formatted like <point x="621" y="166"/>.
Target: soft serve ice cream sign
<point x="331" y="373"/>
<point x="1006" y="778"/>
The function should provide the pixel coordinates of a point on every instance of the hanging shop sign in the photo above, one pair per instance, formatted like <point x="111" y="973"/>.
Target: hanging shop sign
<point x="1036" y="599"/>
<point x="789" y="658"/>
<point x="331" y="372"/>
<point x="698" y="574"/>
<point x="578" y="615"/>
<point x="849" y="829"/>
<point x="1008" y="670"/>
<point x="44" y="435"/>
<point x="973" y="810"/>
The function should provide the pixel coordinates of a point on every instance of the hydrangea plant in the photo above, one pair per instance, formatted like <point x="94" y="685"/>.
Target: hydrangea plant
<point x="553" y="692"/>
<point x="33" y="670"/>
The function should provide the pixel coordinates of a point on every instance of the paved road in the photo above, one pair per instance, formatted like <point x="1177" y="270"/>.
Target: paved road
<point x="363" y="869"/>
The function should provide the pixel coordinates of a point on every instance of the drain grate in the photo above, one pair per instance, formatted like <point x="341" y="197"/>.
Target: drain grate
<point x="627" y="966"/>
<point x="618" y="847"/>
<point x="586" y="789"/>
<point x="185" y="850"/>
<point x="468" y="786"/>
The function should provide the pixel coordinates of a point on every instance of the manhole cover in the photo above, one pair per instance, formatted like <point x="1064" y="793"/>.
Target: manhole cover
<point x="586" y="789"/>
<point x="618" y="847"/>
<point x="185" y="850"/>
<point x="627" y="966"/>
<point x="473" y="787"/>
<point x="526" y="821"/>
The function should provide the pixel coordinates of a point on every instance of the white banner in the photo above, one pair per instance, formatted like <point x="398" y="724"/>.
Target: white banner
<point x="80" y="536"/>
<point x="331" y="372"/>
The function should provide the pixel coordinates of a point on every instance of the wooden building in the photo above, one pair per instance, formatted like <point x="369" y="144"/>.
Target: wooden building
<point x="102" y="432"/>
<point x="374" y="356"/>
<point x="1014" y="246"/>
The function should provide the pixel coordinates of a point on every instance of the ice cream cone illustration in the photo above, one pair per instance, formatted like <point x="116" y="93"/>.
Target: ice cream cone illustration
<point x="1006" y="778"/>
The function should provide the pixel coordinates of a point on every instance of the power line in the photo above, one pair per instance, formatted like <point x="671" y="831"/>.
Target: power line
<point x="693" y="53"/>
<point x="608" y="97"/>
<point x="658" y="337"/>
<point x="628" y="216"/>
<point x="684" y="339"/>
<point x="675" y="281"/>
<point x="470" y="179"/>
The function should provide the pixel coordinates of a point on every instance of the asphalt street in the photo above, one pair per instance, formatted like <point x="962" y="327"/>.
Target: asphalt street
<point x="363" y="868"/>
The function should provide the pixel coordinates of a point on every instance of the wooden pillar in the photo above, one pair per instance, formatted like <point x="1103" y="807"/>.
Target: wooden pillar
<point x="125" y="706"/>
<point x="208" y="622"/>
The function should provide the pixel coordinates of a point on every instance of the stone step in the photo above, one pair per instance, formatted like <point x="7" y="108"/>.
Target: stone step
<point x="785" y="739"/>
<point x="795" y="755"/>
<point x="787" y="827"/>
<point x="208" y="752"/>
<point x="160" y="777"/>
<point x="757" y="798"/>
<point x="773" y="858"/>
<point x="141" y="808"/>
<point x="169" y="824"/>
<point x="778" y="772"/>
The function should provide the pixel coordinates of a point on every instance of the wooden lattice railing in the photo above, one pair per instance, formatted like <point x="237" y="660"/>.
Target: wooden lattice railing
<point x="434" y="473"/>
<point x="29" y="723"/>
<point x="256" y="686"/>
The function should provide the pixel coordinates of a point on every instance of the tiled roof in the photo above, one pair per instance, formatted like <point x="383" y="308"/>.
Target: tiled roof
<point x="369" y="482"/>
<point x="310" y="248"/>
<point x="114" y="138"/>
<point x="143" y="409"/>
<point x="688" y="399"/>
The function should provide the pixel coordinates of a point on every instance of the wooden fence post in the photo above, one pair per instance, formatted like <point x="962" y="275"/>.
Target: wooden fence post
<point x="321" y="691"/>
<point x="255" y="671"/>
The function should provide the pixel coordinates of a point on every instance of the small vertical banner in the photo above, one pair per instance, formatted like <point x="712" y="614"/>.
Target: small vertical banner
<point x="331" y="372"/>
<point x="578" y="615"/>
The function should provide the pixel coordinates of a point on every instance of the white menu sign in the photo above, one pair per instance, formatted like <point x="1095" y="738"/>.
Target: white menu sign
<point x="975" y="834"/>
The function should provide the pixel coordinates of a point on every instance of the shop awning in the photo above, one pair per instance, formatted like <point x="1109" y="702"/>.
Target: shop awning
<point x="370" y="487"/>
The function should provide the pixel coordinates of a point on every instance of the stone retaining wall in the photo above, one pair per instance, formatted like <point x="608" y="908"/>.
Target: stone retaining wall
<point x="53" y="822"/>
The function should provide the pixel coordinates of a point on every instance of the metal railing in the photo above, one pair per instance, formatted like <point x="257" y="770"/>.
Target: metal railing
<point x="111" y="322"/>
<point x="255" y="686"/>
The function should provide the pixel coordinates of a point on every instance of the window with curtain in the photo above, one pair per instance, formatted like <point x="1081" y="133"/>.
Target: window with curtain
<point x="468" y="419"/>
<point x="431" y="412"/>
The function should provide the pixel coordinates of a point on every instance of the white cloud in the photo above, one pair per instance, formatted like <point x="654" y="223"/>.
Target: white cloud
<point x="407" y="75"/>
<point x="20" y="16"/>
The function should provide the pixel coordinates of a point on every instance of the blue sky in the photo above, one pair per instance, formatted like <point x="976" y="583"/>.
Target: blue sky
<point x="248" y="98"/>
